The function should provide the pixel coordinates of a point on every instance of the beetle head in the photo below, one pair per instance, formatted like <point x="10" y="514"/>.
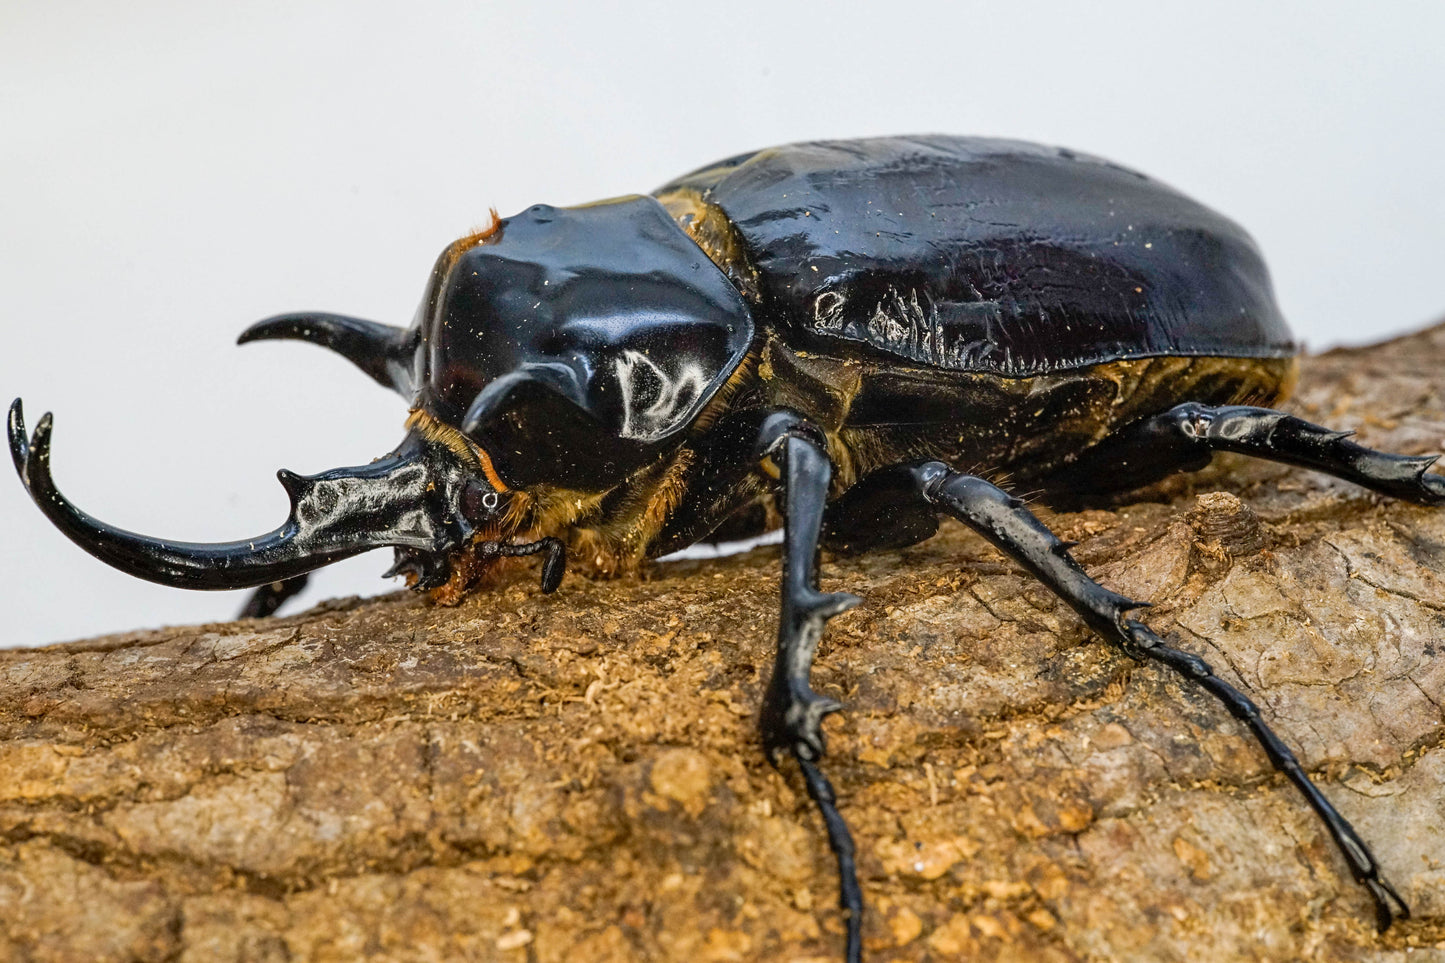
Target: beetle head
<point x="430" y="498"/>
<point x="573" y="346"/>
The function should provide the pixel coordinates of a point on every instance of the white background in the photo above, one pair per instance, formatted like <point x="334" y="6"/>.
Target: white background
<point x="170" y="172"/>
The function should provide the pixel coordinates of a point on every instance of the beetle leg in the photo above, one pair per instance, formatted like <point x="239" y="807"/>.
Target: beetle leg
<point x="266" y="599"/>
<point x="1186" y="435"/>
<point x="792" y="711"/>
<point x="1017" y="532"/>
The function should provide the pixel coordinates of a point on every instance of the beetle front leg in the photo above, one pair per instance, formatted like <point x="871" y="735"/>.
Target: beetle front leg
<point x="1017" y="532"/>
<point x="266" y="599"/>
<point x="792" y="712"/>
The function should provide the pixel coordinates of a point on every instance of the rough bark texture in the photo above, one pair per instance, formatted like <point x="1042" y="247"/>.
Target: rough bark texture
<point x="577" y="777"/>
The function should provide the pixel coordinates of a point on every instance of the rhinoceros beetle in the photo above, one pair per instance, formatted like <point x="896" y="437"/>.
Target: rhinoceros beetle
<point x="822" y="334"/>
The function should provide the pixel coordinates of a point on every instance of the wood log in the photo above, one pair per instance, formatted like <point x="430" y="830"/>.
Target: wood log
<point x="578" y="776"/>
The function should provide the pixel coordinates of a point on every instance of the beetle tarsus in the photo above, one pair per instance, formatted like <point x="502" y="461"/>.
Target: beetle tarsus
<point x="1015" y="531"/>
<point x="1363" y="865"/>
<point x="840" y="841"/>
<point x="1389" y="905"/>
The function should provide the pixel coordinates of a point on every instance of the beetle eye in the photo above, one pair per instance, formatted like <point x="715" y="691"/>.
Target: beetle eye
<point x="478" y="501"/>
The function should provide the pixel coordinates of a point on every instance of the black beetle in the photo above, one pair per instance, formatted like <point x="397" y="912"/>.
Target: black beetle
<point x="821" y="334"/>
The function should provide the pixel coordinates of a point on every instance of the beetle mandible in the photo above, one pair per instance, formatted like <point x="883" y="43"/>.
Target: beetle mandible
<point x="821" y="335"/>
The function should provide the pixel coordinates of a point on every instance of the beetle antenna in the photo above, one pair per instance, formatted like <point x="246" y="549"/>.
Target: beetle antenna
<point x="553" y="567"/>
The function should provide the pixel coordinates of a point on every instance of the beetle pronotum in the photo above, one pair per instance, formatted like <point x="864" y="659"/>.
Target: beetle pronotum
<point x="822" y="334"/>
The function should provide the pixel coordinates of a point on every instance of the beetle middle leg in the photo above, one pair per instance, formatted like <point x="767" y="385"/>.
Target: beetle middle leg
<point x="1017" y="532"/>
<point x="792" y="712"/>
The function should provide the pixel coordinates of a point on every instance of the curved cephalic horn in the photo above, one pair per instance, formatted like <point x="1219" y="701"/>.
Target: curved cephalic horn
<point x="381" y="350"/>
<point x="334" y="515"/>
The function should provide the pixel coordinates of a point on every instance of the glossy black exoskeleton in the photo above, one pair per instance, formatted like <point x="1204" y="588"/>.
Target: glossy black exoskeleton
<point x="823" y="335"/>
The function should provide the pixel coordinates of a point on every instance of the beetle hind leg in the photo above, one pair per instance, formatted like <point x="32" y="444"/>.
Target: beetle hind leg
<point x="1187" y="435"/>
<point x="1017" y="532"/>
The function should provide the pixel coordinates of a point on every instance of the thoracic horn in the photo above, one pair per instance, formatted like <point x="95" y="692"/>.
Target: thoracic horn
<point x="383" y="351"/>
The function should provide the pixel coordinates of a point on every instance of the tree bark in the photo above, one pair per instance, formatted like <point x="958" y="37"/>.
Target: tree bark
<point x="578" y="776"/>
